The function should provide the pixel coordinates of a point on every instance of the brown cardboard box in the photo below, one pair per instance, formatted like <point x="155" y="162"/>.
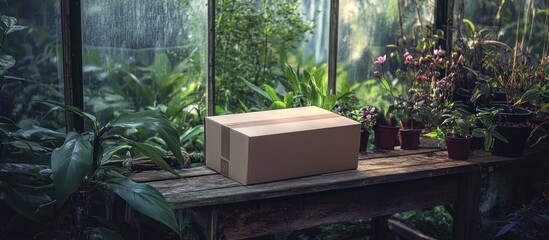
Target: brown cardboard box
<point x="280" y="144"/>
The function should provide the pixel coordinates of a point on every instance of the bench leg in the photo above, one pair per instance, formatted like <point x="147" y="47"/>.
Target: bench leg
<point x="380" y="228"/>
<point x="466" y="207"/>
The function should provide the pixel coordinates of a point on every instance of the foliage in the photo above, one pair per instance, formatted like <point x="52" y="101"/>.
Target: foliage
<point x="62" y="193"/>
<point x="250" y="37"/>
<point x="366" y="116"/>
<point x="436" y="222"/>
<point x="299" y="88"/>
<point x="531" y="221"/>
<point x="458" y="122"/>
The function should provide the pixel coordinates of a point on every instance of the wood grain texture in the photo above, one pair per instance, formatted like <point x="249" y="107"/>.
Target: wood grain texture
<point x="156" y="175"/>
<point x="261" y="217"/>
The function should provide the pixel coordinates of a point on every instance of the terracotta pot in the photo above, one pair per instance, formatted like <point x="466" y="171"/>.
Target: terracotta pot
<point x="458" y="148"/>
<point x="385" y="137"/>
<point x="409" y="138"/>
<point x="364" y="137"/>
<point x="515" y="135"/>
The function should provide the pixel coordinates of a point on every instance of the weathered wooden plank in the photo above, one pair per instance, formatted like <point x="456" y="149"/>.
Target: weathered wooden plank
<point x="342" y="180"/>
<point x="156" y="175"/>
<point x="257" y="218"/>
<point x="193" y="184"/>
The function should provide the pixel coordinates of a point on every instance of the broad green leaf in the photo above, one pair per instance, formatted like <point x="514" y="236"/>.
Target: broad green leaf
<point x="432" y="134"/>
<point x="154" y="121"/>
<point x="488" y="139"/>
<point x="273" y="96"/>
<point x="107" y="155"/>
<point x="255" y="88"/>
<point x="155" y="153"/>
<point x="462" y="126"/>
<point x="531" y="94"/>
<point x="106" y="234"/>
<point x="478" y="132"/>
<point x="277" y="105"/>
<point x="24" y="200"/>
<point x="146" y="200"/>
<point x="92" y="121"/>
<point x="6" y="62"/>
<point x="329" y="102"/>
<point x="498" y="135"/>
<point x="289" y="99"/>
<point x="37" y="134"/>
<point x="70" y="164"/>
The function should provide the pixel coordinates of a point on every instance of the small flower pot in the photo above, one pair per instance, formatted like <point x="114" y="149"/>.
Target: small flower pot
<point x="385" y="137"/>
<point x="409" y="138"/>
<point x="364" y="137"/>
<point x="516" y="135"/>
<point x="458" y="148"/>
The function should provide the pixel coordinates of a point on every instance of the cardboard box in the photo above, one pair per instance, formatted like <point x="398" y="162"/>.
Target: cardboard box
<point x="281" y="144"/>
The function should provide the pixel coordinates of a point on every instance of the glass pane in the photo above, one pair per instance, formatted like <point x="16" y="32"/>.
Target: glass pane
<point x="37" y="74"/>
<point x="365" y="30"/>
<point x="146" y="55"/>
<point x="523" y="24"/>
<point x="255" y="40"/>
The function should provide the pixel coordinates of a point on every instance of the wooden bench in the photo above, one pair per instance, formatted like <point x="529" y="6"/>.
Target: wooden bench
<point x="385" y="182"/>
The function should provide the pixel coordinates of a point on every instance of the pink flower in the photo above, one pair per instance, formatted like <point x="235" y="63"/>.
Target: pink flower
<point x="381" y="59"/>
<point x="439" y="52"/>
<point x="421" y="78"/>
<point x="408" y="58"/>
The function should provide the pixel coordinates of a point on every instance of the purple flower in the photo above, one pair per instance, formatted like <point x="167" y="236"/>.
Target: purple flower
<point x="380" y="59"/>
<point x="377" y="73"/>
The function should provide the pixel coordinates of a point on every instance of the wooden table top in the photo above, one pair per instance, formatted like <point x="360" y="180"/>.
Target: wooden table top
<point x="202" y="186"/>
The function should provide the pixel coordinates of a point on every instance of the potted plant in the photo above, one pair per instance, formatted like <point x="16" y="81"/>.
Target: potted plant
<point x="366" y="116"/>
<point x="459" y="126"/>
<point x="413" y="106"/>
<point x="386" y="131"/>
<point x="63" y="181"/>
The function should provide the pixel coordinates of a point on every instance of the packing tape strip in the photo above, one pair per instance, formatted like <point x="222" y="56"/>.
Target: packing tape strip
<point x="281" y="120"/>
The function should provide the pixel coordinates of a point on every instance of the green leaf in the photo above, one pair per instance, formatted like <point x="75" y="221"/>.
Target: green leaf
<point x="92" y="121"/>
<point x="146" y="200"/>
<point x="6" y="62"/>
<point x="154" y="121"/>
<point x="277" y="105"/>
<point x="462" y="125"/>
<point x="329" y="102"/>
<point x="255" y="88"/>
<point x="273" y="96"/>
<point x="470" y="24"/>
<point x="289" y="99"/>
<point x="498" y="135"/>
<point x="107" y="155"/>
<point x="155" y="153"/>
<point x="105" y="234"/>
<point x="37" y="134"/>
<point x="488" y="140"/>
<point x="432" y="134"/>
<point x="70" y="164"/>
<point x="478" y="132"/>
<point x="530" y="95"/>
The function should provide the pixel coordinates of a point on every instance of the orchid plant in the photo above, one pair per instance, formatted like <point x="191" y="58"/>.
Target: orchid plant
<point x="431" y="79"/>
